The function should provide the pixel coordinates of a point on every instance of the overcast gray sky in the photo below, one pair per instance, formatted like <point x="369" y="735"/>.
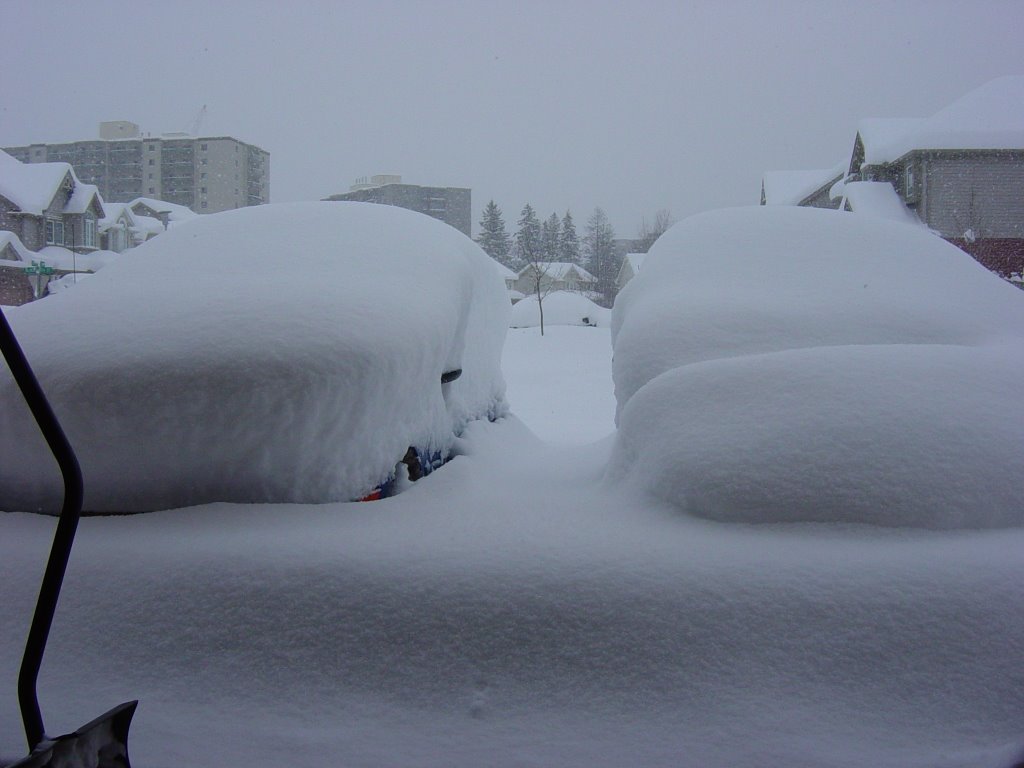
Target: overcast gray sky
<point x="631" y="106"/>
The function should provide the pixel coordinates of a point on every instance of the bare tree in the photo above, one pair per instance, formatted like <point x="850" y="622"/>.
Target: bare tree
<point x="649" y="233"/>
<point x="539" y="274"/>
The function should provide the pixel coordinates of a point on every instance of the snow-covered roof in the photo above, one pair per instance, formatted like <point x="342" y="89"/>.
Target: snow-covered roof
<point x="148" y="224"/>
<point x="989" y="117"/>
<point x="113" y="212"/>
<point x="559" y="270"/>
<point x="12" y="240"/>
<point x="175" y="212"/>
<point x="32" y="186"/>
<point x="791" y="187"/>
<point x="505" y="271"/>
<point x="635" y="260"/>
<point x="879" y="199"/>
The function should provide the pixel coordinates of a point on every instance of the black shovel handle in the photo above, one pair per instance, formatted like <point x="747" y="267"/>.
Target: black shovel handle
<point x="67" y="524"/>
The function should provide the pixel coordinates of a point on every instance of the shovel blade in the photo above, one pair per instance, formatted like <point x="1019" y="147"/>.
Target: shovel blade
<point x="102" y="743"/>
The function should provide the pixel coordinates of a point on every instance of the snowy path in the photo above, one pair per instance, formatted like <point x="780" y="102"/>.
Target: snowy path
<point x="560" y="385"/>
<point x="511" y="610"/>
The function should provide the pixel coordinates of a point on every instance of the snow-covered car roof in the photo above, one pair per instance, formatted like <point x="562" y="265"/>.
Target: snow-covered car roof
<point x="786" y="364"/>
<point x="287" y="353"/>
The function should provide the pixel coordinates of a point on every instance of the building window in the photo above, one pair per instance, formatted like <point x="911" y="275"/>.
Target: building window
<point x="90" y="232"/>
<point x="152" y="161"/>
<point x="202" y="204"/>
<point x="152" y="147"/>
<point x="202" y="147"/>
<point x="54" y="232"/>
<point x="152" y="190"/>
<point x="202" y="175"/>
<point x="151" y="177"/>
<point x="203" y="190"/>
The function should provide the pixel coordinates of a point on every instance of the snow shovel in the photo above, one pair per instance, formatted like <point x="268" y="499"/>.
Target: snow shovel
<point x="103" y="742"/>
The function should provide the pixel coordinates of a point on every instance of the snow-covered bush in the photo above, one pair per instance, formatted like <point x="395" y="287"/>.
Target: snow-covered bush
<point x="560" y="308"/>
<point x="287" y="353"/>
<point x="791" y="364"/>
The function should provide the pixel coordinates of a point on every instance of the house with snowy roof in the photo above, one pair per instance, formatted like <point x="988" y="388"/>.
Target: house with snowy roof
<point x="554" y="276"/>
<point x="960" y="171"/>
<point x="122" y="229"/>
<point x="164" y="212"/>
<point x="45" y="204"/>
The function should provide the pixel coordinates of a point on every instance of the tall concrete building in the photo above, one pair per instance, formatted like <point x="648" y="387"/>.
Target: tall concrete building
<point x="451" y="205"/>
<point x="207" y="174"/>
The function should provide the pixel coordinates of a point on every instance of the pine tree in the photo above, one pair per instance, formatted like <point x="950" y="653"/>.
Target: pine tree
<point x="493" y="238"/>
<point x="528" y="238"/>
<point x="550" y="235"/>
<point x="568" y="241"/>
<point x="600" y="252"/>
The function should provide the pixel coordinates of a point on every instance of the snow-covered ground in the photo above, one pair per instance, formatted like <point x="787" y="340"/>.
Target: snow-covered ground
<point x="560" y="384"/>
<point x="512" y="609"/>
<point x="518" y="607"/>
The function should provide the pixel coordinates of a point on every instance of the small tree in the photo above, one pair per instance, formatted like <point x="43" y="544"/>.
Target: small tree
<point x="568" y="241"/>
<point x="599" y="247"/>
<point x="493" y="238"/>
<point x="538" y="272"/>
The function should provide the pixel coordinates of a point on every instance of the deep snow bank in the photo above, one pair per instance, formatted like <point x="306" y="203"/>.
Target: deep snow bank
<point x="278" y="353"/>
<point x="560" y="308"/>
<point x="783" y="364"/>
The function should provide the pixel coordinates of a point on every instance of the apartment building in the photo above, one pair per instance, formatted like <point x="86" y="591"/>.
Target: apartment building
<point x="206" y="174"/>
<point x="451" y="205"/>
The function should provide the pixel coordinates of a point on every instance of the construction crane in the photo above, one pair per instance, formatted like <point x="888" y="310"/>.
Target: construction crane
<point x="197" y="123"/>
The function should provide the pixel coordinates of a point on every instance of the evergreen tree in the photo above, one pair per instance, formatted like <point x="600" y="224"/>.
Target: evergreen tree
<point x="550" y="235"/>
<point x="568" y="241"/>
<point x="493" y="238"/>
<point x="528" y="238"/>
<point x="600" y="253"/>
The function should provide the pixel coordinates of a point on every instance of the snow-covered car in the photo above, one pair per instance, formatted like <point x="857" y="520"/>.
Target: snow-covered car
<point x="281" y="353"/>
<point x="793" y="364"/>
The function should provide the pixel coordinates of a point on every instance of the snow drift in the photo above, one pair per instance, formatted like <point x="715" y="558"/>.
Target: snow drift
<point x="287" y="353"/>
<point x="789" y="364"/>
<point x="560" y="308"/>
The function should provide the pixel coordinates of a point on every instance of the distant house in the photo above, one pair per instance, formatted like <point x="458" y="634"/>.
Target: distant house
<point x="631" y="263"/>
<point x="164" y="212"/>
<point x="554" y="276"/>
<point x="959" y="172"/>
<point x="510" y="277"/>
<point x="45" y="204"/>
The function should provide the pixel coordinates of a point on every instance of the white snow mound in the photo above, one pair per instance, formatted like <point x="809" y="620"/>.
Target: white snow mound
<point x="281" y="353"/>
<point x="790" y="364"/>
<point x="560" y="308"/>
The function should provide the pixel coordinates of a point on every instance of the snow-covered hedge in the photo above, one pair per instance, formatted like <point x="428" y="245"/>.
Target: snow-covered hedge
<point x="560" y="308"/>
<point x="282" y="353"/>
<point x="790" y="364"/>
